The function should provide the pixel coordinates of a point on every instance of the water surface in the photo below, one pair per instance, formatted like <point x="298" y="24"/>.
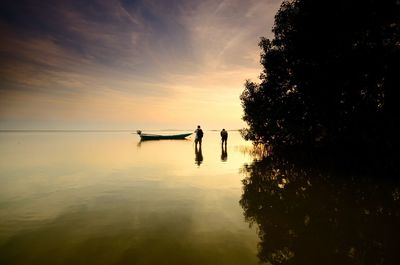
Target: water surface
<point x="310" y="213"/>
<point x="107" y="198"/>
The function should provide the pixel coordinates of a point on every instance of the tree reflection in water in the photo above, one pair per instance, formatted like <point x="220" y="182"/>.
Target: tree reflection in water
<point x="306" y="216"/>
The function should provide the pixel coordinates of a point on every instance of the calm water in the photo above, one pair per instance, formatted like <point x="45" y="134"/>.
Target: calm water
<point x="105" y="198"/>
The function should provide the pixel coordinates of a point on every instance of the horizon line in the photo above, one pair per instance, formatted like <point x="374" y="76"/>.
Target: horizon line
<point x="100" y="130"/>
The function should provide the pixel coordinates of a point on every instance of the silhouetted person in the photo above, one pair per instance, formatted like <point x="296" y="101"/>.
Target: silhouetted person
<point x="224" y="137"/>
<point x="224" y="153"/>
<point x="199" y="155"/>
<point x="198" y="136"/>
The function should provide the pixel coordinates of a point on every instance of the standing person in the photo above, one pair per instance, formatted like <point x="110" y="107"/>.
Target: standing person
<point x="199" y="136"/>
<point x="224" y="137"/>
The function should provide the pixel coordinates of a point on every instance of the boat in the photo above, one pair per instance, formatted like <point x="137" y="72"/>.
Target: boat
<point x="147" y="136"/>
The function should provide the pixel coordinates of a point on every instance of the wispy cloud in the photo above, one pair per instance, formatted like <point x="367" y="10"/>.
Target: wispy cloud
<point x="128" y="61"/>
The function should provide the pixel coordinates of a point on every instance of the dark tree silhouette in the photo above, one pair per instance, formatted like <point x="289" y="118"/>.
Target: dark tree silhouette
<point x="308" y="216"/>
<point x="330" y="77"/>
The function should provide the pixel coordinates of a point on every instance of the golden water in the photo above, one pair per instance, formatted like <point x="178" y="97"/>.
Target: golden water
<point x="106" y="198"/>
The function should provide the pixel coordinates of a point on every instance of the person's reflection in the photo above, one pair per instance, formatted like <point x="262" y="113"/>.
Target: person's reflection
<point x="198" y="155"/>
<point x="224" y="153"/>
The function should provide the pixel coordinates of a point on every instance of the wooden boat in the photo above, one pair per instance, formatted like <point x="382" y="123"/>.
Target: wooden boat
<point x="147" y="136"/>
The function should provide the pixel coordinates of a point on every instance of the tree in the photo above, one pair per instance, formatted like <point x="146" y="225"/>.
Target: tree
<point x="329" y="76"/>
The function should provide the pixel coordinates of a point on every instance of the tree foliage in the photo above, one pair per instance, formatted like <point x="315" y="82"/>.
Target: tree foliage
<point x="329" y="76"/>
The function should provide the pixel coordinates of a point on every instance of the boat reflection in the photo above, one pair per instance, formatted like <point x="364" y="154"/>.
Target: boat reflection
<point x="141" y="142"/>
<point x="305" y="216"/>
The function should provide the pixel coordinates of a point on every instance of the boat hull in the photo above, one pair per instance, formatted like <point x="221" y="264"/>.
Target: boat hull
<point x="146" y="137"/>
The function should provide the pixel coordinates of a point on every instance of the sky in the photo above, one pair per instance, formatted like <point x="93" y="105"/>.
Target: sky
<point x="128" y="64"/>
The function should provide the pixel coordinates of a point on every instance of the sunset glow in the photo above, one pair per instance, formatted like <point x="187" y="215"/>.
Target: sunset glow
<point x="128" y="64"/>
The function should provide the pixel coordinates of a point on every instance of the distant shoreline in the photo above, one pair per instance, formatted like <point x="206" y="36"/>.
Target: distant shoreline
<point x="122" y="130"/>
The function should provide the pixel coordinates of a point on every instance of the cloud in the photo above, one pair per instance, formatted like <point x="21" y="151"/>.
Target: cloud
<point x="79" y="57"/>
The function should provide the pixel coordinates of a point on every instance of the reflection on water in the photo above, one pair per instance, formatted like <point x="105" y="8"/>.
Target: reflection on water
<point x="306" y="216"/>
<point x="224" y="152"/>
<point x="103" y="198"/>
<point x="198" y="154"/>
